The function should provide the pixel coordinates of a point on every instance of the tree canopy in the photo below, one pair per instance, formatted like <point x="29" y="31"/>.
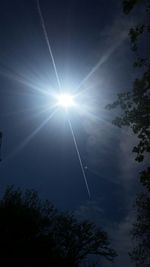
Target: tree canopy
<point x="141" y="232"/>
<point x="135" y="104"/>
<point x="135" y="113"/>
<point x="34" y="233"/>
<point x="128" y="5"/>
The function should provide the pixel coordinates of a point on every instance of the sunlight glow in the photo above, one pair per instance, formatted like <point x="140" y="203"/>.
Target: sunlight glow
<point x="65" y="100"/>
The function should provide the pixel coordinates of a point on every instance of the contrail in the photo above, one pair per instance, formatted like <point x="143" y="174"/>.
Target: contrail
<point x="79" y="157"/>
<point x="48" y="43"/>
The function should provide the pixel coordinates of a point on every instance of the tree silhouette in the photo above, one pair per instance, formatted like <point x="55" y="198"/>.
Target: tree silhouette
<point x="135" y="108"/>
<point x="141" y="232"/>
<point x="128" y="5"/>
<point x="135" y="104"/>
<point x="34" y="233"/>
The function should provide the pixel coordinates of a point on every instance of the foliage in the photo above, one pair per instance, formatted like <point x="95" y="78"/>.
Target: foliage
<point x="35" y="233"/>
<point x="141" y="232"/>
<point x="135" y="113"/>
<point x="135" y="104"/>
<point x="128" y="5"/>
<point x="145" y="178"/>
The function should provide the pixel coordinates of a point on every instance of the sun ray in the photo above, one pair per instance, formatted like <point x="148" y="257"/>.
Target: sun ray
<point x="79" y="157"/>
<point x="44" y="110"/>
<point x="32" y="135"/>
<point x="20" y="111"/>
<point x="102" y="60"/>
<point x="23" y="81"/>
<point x="48" y="43"/>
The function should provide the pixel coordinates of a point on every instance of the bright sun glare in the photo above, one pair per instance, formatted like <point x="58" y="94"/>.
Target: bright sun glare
<point x="65" y="100"/>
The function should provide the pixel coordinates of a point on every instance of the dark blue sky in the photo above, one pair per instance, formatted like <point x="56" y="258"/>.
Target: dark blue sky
<point x="83" y="35"/>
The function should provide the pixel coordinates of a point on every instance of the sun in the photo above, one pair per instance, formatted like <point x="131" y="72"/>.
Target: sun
<point x="65" y="100"/>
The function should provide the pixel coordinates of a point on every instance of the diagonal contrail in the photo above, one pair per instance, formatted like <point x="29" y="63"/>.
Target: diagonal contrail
<point x="48" y="43"/>
<point x="79" y="157"/>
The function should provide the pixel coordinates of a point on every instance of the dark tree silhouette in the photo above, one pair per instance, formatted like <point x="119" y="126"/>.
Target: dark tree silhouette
<point x="141" y="232"/>
<point x="34" y="233"/>
<point x="135" y="104"/>
<point x="128" y="5"/>
<point x="135" y="109"/>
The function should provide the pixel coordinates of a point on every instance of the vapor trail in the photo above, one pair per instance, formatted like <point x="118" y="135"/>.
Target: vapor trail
<point x="79" y="157"/>
<point x="48" y="43"/>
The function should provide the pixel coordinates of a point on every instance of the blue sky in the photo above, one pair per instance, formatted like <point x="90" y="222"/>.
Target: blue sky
<point x="91" y="48"/>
